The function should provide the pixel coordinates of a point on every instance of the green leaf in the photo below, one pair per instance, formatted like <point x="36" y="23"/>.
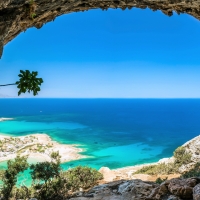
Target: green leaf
<point x="29" y="82"/>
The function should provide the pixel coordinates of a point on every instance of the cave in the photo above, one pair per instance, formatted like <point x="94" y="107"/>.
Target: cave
<point x="17" y="16"/>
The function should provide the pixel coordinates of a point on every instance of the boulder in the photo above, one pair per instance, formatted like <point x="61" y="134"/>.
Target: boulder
<point x="172" y="197"/>
<point x="119" y="190"/>
<point x="135" y="189"/>
<point x="159" y="192"/>
<point x="196" y="192"/>
<point x="182" y="188"/>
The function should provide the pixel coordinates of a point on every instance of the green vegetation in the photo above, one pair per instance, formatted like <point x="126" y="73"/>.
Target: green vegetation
<point x="82" y="177"/>
<point x="28" y="82"/>
<point x="160" y="180"/>
<point x="161" y="169"/>
<point x="194" y="172"/>
<point x="9" y="177"/>
<point x="49" y="181"/>
<point x="32" y="9"/>
<point x="181" y="157"/>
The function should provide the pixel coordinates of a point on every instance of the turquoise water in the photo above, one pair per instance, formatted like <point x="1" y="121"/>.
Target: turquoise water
<point x="15" y="127"/>
<point x="114" y="132"/>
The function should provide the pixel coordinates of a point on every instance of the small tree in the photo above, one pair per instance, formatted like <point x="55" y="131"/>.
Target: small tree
<point x="9" y="177"/>
<point x="48" y="181"/>
<point x="28" y="82"/>
<point x="44" y="171"/>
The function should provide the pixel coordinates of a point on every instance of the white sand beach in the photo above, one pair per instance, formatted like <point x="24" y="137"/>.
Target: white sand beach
<point x="5" y="119"/>
<point x="38" y="147"/>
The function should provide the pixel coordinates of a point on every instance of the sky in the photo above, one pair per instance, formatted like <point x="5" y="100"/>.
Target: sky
<point x="109" y="54"/>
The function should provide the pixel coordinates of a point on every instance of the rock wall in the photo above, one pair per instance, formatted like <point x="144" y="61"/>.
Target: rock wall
<point x="18" y="15"/>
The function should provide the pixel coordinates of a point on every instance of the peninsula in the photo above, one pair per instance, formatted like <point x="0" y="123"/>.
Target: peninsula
<point x="5" y="119"/>
<point x="36" y="146"/>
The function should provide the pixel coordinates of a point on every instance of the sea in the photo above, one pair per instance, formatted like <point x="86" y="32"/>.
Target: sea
<point x="114" y="133"/>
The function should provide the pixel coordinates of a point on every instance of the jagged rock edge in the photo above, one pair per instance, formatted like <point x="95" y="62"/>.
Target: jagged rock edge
<point x="17" y="16"/>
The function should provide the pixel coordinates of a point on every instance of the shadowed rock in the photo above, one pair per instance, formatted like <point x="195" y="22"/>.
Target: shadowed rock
<point x="18" y="15"/>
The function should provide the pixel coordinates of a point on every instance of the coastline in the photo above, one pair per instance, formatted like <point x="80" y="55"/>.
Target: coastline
<point x="72" y="152"/>
<point x="67" y="152"/>
<point x="38" y="147"/>
<point x="127" y="173"/>
<point x="191" y="147"/>
<point x="5" y="119"/>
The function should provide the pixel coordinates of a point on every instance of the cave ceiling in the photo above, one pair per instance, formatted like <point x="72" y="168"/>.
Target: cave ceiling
<point x="17" y="16"/>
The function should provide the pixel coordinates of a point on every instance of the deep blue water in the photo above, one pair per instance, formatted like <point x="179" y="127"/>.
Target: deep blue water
<point x="114" y="132"/>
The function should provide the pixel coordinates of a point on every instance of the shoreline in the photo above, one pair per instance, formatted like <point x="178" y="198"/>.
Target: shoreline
<point x="68" y="152"/>
<point x="5" y="119"/>
<point x="127" y="173"/>
<point x="75" y="149"/>
<point x="37" y="146"/>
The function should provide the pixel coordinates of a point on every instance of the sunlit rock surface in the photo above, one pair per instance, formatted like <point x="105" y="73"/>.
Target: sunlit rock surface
<point x="18" y="15"/>
<point x="174" y="189"/>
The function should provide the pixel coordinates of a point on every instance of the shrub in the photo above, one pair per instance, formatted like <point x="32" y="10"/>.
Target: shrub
<point x="82" y="177"/>
<point x="54" y="189"/>
<point x="146" y="170"/>
<point x="181" y="156"/>
<point x="194" y="172"/>
<point x="161" y="168"/>
<point x="160" y="180"/>
<point x="22" y="193"/>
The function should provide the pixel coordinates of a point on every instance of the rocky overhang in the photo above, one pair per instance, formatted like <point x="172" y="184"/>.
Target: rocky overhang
<point x="18" y="15"/>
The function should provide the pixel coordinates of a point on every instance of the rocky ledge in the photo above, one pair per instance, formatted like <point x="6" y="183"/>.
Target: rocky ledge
<point x="174" y="189"/>
<point x="18" y="15"/>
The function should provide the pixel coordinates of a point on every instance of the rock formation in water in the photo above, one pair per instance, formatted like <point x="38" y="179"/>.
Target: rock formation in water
<point x="18" y="15"/>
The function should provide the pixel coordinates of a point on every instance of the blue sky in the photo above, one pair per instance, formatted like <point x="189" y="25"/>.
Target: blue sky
<point x="109" y="54"/>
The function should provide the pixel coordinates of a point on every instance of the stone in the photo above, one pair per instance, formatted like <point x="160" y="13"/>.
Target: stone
<point x="154" y="194"/>
<point x="115" y="184"/>
<point x="136" y="189"/>
<point x="119" y="190"/>
<point x="172" y="197"/>
<point x="16" y="16"/>
<point x="182" y="188"/>
<point x="163" y="189"/>
<point x="159" y="192"/>
<point x="196" y="192"/>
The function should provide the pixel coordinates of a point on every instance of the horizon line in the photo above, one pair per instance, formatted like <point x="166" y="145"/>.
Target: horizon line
<point x="99" y="97"/>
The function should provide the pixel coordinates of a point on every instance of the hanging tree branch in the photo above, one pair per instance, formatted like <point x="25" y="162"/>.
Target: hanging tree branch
<point x="28" y="82"/>
<point x="8" y="84"/>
